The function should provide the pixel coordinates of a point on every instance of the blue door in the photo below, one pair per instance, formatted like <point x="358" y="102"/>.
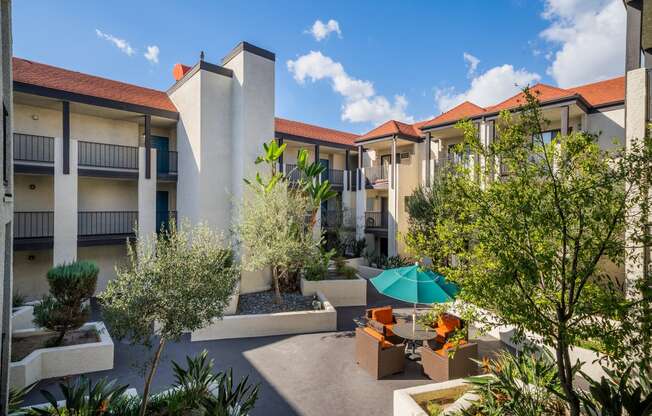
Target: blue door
<point x="162" y="158"/>
<point x="325" y="163"/>
<point x="162" y="213"/>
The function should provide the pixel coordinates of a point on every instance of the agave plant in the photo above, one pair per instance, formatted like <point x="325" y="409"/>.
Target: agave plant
<point x="630" y="391"/>
<point x="83" y="398"/>
<point x="229" y="401"/>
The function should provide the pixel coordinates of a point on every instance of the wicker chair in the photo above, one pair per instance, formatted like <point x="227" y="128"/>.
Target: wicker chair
<point x="378" y="356"/>
<point x="439" y="366"/>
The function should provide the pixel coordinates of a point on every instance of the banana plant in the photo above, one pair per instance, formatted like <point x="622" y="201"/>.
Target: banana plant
<point x="272" y="153"/>
<point x="318" y="191"/>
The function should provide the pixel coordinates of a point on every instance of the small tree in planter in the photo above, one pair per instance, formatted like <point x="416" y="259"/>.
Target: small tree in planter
<point x="180" y="285"/>
<point x="64" y="309"/>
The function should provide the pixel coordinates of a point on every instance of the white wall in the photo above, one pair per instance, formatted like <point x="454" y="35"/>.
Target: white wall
<point x="30" y="270"/>
<point x="610" y="125"/>
<point x="106" y="258"/>
<point x="41" y="198"/>
<point x="103" y="194"/>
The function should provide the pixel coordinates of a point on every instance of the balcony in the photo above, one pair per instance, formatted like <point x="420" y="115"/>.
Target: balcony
<point x="33" y="154"/>
<point x="377" y="176"/>
<point x="167" y="165"/>
<point x="335" y="177"/>
<point x="105" y="227"/>
<point x="375" y="221"/>
<point x="33" y="230"/>
<point x="107" y="160"/>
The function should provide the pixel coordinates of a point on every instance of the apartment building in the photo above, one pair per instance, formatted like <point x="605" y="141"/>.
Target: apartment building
<point x="399" y="157"/>
<point x="6" y="205"/>
<point x="98" y="161"/>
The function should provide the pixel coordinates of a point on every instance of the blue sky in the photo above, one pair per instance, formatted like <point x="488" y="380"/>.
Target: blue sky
<point x="390" y="59"/>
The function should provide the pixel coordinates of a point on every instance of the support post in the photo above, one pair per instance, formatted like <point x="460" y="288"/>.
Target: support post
<point x="564" y="120"/>
<point x="65" y="203"/>
<point x="148" y="146"/>
<point x="392" y="221"/>
<point x="147" y="225"/>
<point x="65" y="123"/>
<point x="428" y="158"/>
<point x="280" y="159"/>
<point x="633" y="37"/>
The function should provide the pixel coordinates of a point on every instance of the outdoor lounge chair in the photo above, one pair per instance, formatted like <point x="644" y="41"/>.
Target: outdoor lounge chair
<point x="446" y="325"/>
<point x="378" y="356"/>
<point x="440" y="366"/>
<point x="382" y="320"/>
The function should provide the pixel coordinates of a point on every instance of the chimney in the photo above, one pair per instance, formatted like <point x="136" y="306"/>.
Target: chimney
<point x="179" y="70"/>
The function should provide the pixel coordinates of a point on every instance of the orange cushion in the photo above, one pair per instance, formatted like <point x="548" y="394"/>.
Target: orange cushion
<point x="388" y="330"/>
<point x="379" y="337"/>
<point x="448" y="346"/>
<point x="448" y="322"/>
<point x="383" y="315"/>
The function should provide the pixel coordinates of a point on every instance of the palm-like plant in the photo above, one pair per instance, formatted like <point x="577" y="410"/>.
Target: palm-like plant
<point x="230" y="401"/>
<point x="630" y="391"/>
<point x="197" y="380"/>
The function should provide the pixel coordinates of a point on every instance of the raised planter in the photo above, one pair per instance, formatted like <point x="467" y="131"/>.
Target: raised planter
<point x="340" y="292"/>
<point x="232" y="307"/>
<point x="410" y="401"/>
<point x="62" y="361"/>
<point x="260" y="325"/>
<point x="22" y="318"/>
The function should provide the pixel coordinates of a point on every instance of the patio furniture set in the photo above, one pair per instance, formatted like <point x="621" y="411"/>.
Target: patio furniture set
<point x="384" y="342"/>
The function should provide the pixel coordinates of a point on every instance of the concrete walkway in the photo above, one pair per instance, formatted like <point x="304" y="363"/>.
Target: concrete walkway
<point x="310" y="374"/>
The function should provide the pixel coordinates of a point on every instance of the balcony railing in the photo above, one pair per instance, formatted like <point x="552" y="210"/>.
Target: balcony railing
<point x="31" y="148"/>
<point x="292" y="173"/>
<point x="377" y="174"/>
<point x="37" y="224"/>
<point x="335" y="176"/>
<point x="375" y="219"/>
<point x="167" y="162"/>
<point x="92" y="223"/>
<point x="102" y="155"/>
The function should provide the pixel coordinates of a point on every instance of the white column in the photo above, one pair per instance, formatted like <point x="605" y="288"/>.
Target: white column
<point x="146" y="197"/>
<point x="392" y="223"/>
<point x="635" y="129"/>
<point x="360" y="204"/>
<point x="584" y="122"/>
<point x="65" y="205"/>
<point x="346" y="200"/>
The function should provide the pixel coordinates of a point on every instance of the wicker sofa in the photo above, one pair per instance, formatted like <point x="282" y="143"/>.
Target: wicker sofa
<point x="375" y="353"/>
<point x="440" y="366"/>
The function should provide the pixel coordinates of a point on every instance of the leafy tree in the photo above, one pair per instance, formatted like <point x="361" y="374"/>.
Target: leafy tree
<point x="181" y="284"/>
<point x="64" y="308"/>
<point x="533" y="245"/>
<point x="274" y="232"/>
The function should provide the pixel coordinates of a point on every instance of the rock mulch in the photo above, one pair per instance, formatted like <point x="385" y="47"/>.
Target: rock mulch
<point x="263" y="302"/>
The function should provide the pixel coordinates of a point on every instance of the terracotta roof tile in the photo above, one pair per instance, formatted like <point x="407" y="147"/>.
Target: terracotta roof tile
<point x="34" y="73"/>
<point x="390" y="128"/>
<point x="602" y="92"/>
<point x="542" y="92"/>
<point x="466" y="109"/>
<point x="296" y="128"/>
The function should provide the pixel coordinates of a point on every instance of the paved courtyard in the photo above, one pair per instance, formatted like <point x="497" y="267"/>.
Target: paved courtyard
<point x="311" y="374"/>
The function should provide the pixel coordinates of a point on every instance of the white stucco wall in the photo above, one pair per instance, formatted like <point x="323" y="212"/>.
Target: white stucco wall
<point x="103" y="194"/>
<point x="609" y="124"/>
<point x="65" y="204"/>
<point x="106" y="258"/>
<point x="41" y="198"/>
<point x="30" y="269"/>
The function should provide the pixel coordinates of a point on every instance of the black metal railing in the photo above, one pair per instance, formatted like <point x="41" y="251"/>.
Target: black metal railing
<point x="37" y="224"/>
<point x="336" y="177"/>
<point x="167" y="162"/>
<point x="375" y="219"/>
<point x="31" y="148"/>
<point x="106" y="222"/>
<point x="102" y="155"/>
<point x="332" y="218"/>
<point x="292" y="173"/>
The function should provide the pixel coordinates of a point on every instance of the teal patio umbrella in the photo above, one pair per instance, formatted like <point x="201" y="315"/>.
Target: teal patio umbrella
<point x="415" y="285"/>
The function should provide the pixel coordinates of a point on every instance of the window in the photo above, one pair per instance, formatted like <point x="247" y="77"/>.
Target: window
<point x="546" y="136"/>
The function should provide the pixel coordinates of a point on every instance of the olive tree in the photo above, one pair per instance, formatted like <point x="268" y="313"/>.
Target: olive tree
<point x="536" y="245"/>
<point x="179" y="284"/>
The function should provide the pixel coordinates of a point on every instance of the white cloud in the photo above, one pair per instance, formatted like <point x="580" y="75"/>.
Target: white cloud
<point x="361" y="102"/>
<point x="488" y="88"/>
<point x="121" y="44"/>
<point x="589" y="40"/>
<point x="152" y="54"/>
<point x="472" y="63"/>
<point x="321" y="30"/>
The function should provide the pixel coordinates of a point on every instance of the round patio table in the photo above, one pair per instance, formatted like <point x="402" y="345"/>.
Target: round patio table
<point x="412" y="335"/>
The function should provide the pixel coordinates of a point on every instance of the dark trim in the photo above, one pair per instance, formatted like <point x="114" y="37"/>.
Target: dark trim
<point x="597" y="108"/>
<point x="105" y="173"/>
<point x="104" y="240"/>
<point x="92" y="100"/>
<point x="633" y="36"/>
<point x="428" y="159"/>
<point x="25" y="244"/>
<point x="30" y="168"/>
<point x="201" y="65"/>
<point x="390" y="137"/>
<point x="148" y="147"/>
<point x="359" y="170"/>
<point x="167" y="177"/>
<point x="280" y="159"/>
<point x="316" y="153"/>
<point x="248" y="47"/>
<point x="65" y="113"/>
<point x="308" y="140"/>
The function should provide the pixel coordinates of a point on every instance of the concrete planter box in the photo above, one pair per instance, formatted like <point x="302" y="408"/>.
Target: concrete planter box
<point x="341" y="292"/>
<point x="407" y="402"/>
<point x="261" y="325"/>
<point x="22" y="318"/>
<point x="368" y="272"/>
<point x="232" y="308"/>
<point x="62" y="361"/>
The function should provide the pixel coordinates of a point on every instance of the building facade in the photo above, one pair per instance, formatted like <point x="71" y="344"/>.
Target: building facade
<point x="99" y="161"/>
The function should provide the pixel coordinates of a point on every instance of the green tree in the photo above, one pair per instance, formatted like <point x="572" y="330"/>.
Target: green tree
<point x="65" y="308"/>
<point x="275" y="233"/>
<point x="180" y="284"/>
<point x="534" y="246"/>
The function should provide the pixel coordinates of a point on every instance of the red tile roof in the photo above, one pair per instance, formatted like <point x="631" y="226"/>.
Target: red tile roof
<point x="603" y="92"/>
<point x="309" y="131"/>
<point x="42" y="75"/>
<point x="466" y="109"/>
<point x="389" y="129"/>
<point x="541" y="92"/>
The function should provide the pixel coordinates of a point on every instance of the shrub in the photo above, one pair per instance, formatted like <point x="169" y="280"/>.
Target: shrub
<point x="356" y="247"/>
<point x="318" y="269"/>
<point x="17" y="300"/>
<point x="63" y="310"/>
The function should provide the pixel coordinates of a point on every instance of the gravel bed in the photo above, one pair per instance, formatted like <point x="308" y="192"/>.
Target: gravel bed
<point x="263" y="302"/>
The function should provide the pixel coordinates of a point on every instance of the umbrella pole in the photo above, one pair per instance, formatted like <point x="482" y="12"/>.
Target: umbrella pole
<point x="414" y="318"/>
